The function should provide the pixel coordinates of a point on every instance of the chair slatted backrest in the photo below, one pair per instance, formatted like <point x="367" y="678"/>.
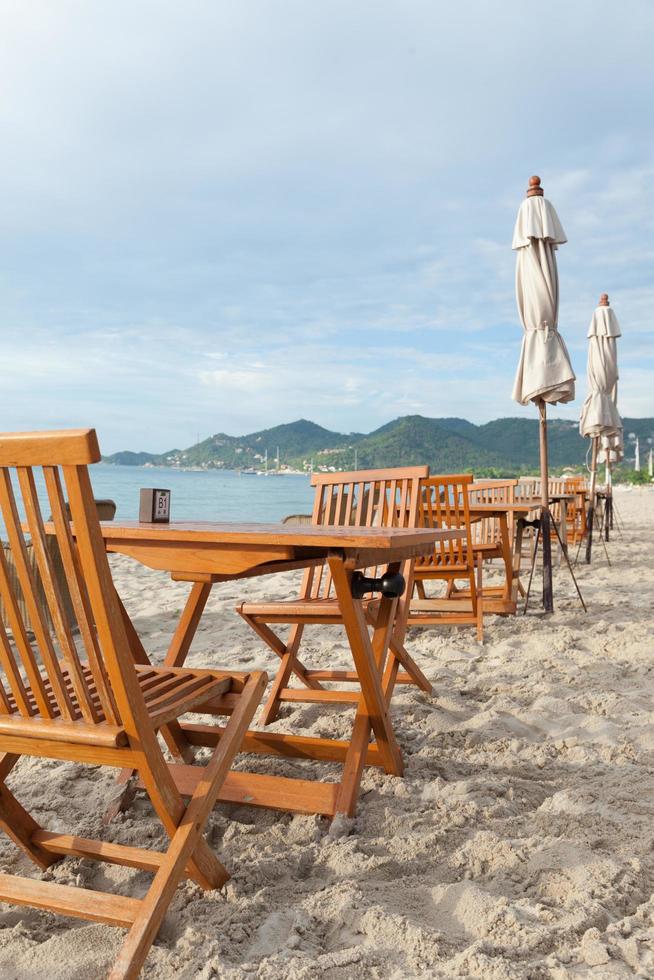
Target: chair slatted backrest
<point x="577" y="510"/>
<point x="557" y="485"/>
<point x="445" y="504"/>
<point x="487" y="531"/>
<point x="96" y="683"/>
<point x="364" y="498"/>
<point x="527" y="488"/>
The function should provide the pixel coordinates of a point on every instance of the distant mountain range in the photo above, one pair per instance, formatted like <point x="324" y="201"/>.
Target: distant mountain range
<point x="499" y="448"/>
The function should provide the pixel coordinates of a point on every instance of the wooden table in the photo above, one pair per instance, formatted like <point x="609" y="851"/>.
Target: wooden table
<point x="503" y="600"/>
<point x="204" y="553"/>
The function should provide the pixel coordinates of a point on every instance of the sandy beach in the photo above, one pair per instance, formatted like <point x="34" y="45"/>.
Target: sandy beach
<point x="518" y="845"/>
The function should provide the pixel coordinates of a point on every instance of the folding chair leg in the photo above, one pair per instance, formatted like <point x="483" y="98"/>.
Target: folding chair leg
<point x="420" y="589"/>
<point x="178" y="745"/>
<point x="18" y="824"/>
<point x="288" y="665"/>
<point x="187" y="836"/>
<point x="277" y="646"/>
<point x="478" y="587"/>
<point x="400" y="654"/>
<point x="206" y="869"/>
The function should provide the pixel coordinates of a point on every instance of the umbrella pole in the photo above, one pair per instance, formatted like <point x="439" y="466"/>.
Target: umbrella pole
<point x="608" y="523"/>
<point x="545" y="519"/>
<point x="591" y="501"/>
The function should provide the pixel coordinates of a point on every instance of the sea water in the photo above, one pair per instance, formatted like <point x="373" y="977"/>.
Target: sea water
<point x="196" y="495"/>
<point x="205" y="495"/>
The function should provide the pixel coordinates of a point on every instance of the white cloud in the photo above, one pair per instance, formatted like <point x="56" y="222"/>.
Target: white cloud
<point x="308" y="208"/>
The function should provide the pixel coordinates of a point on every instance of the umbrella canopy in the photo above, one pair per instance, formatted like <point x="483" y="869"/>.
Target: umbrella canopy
<point x="544" y="371"/>
<point x="611" y="449"/>
<point x="599" y="414"/>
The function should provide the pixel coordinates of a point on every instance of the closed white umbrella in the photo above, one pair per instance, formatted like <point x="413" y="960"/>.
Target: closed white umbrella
<point x="599" y="413"/>
<point x="611" y="449"/>
<point x="544" y="372"/>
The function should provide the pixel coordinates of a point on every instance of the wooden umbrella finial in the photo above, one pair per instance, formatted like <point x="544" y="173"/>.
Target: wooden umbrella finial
<point x="604" y="300"/>
<point x="534" y="189"/>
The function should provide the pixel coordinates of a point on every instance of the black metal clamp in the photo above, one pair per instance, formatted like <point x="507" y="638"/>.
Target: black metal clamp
<point x="391" y="586"/>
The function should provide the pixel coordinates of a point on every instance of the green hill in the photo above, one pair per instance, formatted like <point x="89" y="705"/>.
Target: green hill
<point x="498" y="448"/>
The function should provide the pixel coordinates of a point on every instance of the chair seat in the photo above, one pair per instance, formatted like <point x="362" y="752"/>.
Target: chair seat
<point x="438" y="569"/>
<point x="168" y="692"/>
<point x="324" y="608"/>
<point x="490" y="549"/>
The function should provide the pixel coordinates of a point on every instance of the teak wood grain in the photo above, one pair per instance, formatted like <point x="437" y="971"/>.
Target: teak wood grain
<point x="445" y="503"/>
<point x="203" y="552"/>
<point x="345" y="504"/>
<point x="83" y="698"/>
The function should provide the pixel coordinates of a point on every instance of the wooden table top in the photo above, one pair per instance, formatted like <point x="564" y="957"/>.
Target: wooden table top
<point x="286" y="535"/>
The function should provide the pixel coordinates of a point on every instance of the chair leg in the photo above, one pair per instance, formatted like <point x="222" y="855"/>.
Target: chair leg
<point x="178" y="745"/>
<point x="420" y="589"/>
<point x="399" y="654"/>
<point x="271" y="708"/>
<point x="18" y="824"/>
<point x="187" y="836"/>
<point x="271" y="640"/>
<point x="478" y="587"/>
<point x="290" y="664"/>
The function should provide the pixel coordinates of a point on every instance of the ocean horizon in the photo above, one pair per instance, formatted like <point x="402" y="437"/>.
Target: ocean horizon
<point x="205" y="495"/>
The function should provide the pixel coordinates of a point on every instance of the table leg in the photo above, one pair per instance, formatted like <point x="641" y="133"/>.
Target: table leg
<point x="136" y="647"/>
<point x="369" y="659"/>
<point x="188" y="624"/>
<point x="517" y="558"/>
<point x="507" y="557"/>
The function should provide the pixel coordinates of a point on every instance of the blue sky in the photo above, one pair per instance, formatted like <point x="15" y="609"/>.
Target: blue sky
<point x="221" y="216"/>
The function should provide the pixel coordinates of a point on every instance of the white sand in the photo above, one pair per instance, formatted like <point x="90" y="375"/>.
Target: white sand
<point x="519" y="844"/>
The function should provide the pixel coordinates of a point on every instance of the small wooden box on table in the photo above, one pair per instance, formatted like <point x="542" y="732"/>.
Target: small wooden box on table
<point x="206" y="553"/>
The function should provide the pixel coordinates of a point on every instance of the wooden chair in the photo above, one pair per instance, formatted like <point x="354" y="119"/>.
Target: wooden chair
<point x="572" y="511"/>
<point x="367" y="498"/>
<point x="445" y="503"/>
<point x="577" y="510"/>
<point x="487" y="532"/>
<point x="87" y="702"/>
<point x="486" y="535"/>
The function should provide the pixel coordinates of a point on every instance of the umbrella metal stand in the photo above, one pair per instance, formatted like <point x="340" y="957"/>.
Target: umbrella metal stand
<point x="608" y="503"/>
<point x="544" y="526"/>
